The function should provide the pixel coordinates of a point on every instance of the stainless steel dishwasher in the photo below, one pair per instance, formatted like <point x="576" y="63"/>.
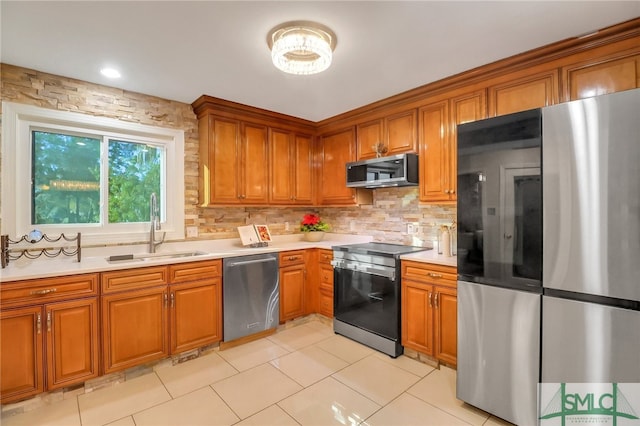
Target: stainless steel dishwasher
<point x="250" y="288"/>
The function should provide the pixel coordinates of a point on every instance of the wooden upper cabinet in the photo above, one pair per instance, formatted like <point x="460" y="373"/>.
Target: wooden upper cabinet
<point x="585" y="80"/>
<point x="398" y="133"/>
<point x="369" y="134"/>
<point x="401" y="131"/>
<point x="335" y="151"/>
<point x="234" y="162"/>
<point x="435" y="174"/>
<point x="520" y="93"/>
<point x="254" y="169"/>
<point x="291" y="163"/>
<point x="437" y="137"/>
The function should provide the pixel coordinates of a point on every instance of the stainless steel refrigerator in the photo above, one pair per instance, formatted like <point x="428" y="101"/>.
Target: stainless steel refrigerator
<point x="548" y="234"/>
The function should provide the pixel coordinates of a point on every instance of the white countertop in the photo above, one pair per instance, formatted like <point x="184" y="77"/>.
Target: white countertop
<point x="94" y="259"/>
<point x="431" y="256"/>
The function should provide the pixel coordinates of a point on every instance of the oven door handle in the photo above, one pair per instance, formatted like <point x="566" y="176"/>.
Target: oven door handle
<point x="389" y="273"/>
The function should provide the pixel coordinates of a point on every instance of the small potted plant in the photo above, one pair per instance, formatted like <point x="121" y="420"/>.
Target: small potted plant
<point x="313" y="227"/>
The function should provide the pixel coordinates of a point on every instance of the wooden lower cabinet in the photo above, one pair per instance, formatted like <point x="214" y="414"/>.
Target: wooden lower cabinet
<point x="325" y="290"/>
<point x="183" y="313"/>
<point x="21" y="346"/>
<point x="196" y="310"/>
<point x="293" y="275"/>
<point x="429" y="312"/>
<point x="72" y="342"/>
<point x="134" y="328"/>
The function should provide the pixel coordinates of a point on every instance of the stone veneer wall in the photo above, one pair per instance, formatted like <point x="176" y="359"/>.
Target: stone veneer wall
<point x="386" y="219"/>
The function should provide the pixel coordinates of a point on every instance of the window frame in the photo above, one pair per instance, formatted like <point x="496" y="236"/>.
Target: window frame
<point x="18" y="120"/>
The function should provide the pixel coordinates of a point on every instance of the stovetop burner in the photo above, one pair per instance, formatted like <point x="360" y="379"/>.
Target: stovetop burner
<point x="381" y="249"/>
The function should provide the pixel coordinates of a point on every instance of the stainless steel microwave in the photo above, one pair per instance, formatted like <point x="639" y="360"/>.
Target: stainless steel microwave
<point x="395" y="170"/>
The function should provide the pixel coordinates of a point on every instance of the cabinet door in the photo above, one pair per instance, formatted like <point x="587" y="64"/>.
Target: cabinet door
<point x="134" y="328"/>
<point x="369" y="134"/>
<point x="336" y="151"/>
<point x="72" y="342"/>
<point x="254" y="169"/>
<point x="302" y="180"/>
<point x="401" y="132"/>
<point x="446" y="324"/>
<point x="417" y="316"/>
<point x="587" y="80"/>
<point x="434" y="143"/>
<point x="21" y="350"/>
<point x="224" y="164"/>
<point x="196" y="314"/>
<point x="281" y="167"/>
<point x="292" y="284"/>
<point x="521" y="94"/>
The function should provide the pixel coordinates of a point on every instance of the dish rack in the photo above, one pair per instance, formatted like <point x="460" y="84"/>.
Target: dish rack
<point x="35" y="237"/>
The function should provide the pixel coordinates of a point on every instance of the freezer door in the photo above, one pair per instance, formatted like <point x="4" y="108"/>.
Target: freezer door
<point x="591" y="207"/>
<point x="499" y="351"/>
<point x="596" y="343"/>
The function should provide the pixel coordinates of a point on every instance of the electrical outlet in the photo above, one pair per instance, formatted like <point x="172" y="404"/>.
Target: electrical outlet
<point x="352" y="226"/>
<point x="192" y="231"/>
<point x="286" y="226"/>
<point x="410" y="228"/>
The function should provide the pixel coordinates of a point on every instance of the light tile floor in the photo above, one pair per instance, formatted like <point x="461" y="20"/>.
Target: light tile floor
<point x="303" y="375"/>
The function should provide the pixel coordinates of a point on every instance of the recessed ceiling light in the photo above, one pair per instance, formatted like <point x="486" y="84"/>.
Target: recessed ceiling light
<point x="110" y="72"/>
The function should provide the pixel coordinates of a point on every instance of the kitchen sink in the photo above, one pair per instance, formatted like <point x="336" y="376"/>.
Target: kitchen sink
<point x="146" y="257"/>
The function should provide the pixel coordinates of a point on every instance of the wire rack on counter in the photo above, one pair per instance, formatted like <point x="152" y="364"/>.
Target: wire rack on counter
<point x="36" y="237"/>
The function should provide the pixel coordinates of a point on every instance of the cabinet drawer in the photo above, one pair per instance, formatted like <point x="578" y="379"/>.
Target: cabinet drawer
<point x="325" y="303"/>
<point x="48" y="289"/>
<point x="194" y="271"/>
<point x="288" y="258"/>
<point x="326" y="275"/>
<point x="326" y="256"/>
<point x="430" y="273"/>
<point x="130" y="279"/>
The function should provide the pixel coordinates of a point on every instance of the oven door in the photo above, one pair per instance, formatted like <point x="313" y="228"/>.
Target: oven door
<point x="367" y="298"/>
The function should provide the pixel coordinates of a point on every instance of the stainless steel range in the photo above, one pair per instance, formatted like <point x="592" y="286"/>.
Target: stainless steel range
<point x="367" y="294"/>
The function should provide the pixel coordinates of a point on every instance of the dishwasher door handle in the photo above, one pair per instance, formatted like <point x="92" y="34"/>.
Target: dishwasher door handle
<point x="252" y="262"/>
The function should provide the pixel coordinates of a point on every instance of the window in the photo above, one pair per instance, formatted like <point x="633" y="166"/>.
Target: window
<point x="78" y="173"/>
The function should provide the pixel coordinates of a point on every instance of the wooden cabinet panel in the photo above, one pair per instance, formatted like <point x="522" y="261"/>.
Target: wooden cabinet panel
<point x="434" y="156"/>
<point x="134" y="327"/>
<point x="417" y="316"/>
<point x="438" y="148"/>
<point x="290" y="258"/>
<point x="302" y="179"/>
<point x="191" y="271"/>
<point x="224" y="164"/>
<point x="292" y="287"/>
<point x="325" y="303"/>
<point x="429" y="310"/>
<point x="336" y="150"/>
<point x="402" y="132"/>
<point x="446" y="324"/>
<point x="196" y="314"/>
<point x="291" y="163"/>
<point x="130" y="279"/>
<point x="369" y="134"/>
<point x="521" y="94"/>
<point x="588" y="79"/>
<point x="254" y="169"/>
<point x="48" y="289"/>
<point x="21" y="346"/>
<point x="72" y="342"/>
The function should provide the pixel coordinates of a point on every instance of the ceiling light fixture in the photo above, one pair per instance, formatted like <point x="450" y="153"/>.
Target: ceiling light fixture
<point x="110" y="72"/>
<point x="301" y="47"/>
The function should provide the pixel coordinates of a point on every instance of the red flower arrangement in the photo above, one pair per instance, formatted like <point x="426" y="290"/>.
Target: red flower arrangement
<point x="311" y="222"/>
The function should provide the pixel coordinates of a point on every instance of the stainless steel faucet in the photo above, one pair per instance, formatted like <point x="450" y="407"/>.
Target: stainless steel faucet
<point x="155" y="224"/>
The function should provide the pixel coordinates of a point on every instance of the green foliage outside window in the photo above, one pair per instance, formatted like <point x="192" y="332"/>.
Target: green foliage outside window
<point x="66" y="176"/>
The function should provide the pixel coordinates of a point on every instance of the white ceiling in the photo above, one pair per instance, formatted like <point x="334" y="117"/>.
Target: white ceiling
<point x="180" y="50"/>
